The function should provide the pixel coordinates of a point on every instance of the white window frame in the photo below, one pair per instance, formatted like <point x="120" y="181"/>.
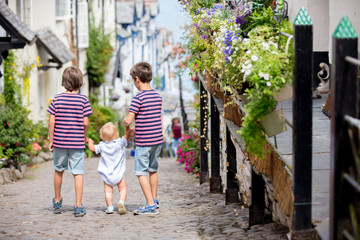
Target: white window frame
<point x="24" y="9"/>
<point x="66" y="12"/>
<point x="141" y="35"/>
<point x="83" y="29"/>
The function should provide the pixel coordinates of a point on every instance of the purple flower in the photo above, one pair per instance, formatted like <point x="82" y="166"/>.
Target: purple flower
<point x="204" y="29"/>
<point x="204" y="36"/>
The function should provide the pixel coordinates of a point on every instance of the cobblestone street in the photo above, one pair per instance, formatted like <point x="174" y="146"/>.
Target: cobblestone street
<point x="187" y="210"/>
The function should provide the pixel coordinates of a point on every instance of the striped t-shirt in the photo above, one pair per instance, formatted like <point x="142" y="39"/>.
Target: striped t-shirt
<point x="147" y="106"/>
<point x="69" y="111"/>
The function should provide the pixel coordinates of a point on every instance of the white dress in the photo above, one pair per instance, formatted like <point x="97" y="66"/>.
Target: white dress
<point x="112" y="164"/>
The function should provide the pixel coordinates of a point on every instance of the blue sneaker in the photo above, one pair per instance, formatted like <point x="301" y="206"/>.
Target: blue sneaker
<point x="147" y="210"/>
<point x="79" y="211"/>
<point x="156" y="202"/>
<point x="57" y="206"/>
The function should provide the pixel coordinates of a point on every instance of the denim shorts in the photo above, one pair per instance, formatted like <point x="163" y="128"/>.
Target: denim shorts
<point x="72" y="159"/>
<point x="146" y="159"/>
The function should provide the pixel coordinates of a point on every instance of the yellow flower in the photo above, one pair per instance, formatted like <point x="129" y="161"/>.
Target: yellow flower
<point x="32" y="66"/>
<point x="50" y="100"/>
<point x="40" y="65"/>
<point x="38" y="59"/>
<point x="9" y="78"/>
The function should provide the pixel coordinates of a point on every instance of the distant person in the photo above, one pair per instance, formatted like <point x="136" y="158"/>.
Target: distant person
<point x="175" y="135"/>
<point x="145" y="108"/>
<point x="112" y="164"/>
<point x="68" y="125"/>
<point x="168" y="141"/>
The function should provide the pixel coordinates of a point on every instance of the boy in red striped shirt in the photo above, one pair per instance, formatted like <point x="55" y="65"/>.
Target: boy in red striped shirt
<point x="68" y="125"/>
<point x="146" y="108"/>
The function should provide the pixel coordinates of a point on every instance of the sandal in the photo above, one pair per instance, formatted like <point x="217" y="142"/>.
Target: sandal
<point x="57" y="206"/>
<point x="147" y="210"/>
<point x="79" y="211"/>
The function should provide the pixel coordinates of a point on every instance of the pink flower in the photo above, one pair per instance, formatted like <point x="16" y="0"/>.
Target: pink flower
<point x="187" y="137"/>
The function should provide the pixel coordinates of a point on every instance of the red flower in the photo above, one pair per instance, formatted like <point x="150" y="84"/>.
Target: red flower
<point x="17" y="143"/>
<point x="8" y="123"/>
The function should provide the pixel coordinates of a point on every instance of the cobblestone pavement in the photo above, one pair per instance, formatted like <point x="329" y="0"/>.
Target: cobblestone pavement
<point x="187" y="209"/>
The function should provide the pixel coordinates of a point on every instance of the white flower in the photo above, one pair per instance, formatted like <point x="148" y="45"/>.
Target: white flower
<point x="248" y="52"/>
<point x="265" y="46"/>
<point x="276" y="45"/>
<point x="249" y="66"/>
<point x="247" y="62"/>
<point x="266" y="77"/>
<point x="268" y="84"/>
<point x="246" y="40"/>
<point x="254" y="58"/>
<point x="247" y="72"/>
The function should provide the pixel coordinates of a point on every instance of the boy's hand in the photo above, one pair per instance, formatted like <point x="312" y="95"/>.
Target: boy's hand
<point x="125" y="123"/>
<point x="51" y="147"/>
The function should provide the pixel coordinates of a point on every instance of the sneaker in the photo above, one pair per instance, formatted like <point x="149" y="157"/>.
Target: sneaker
<point x="79" y="211"/>
<point x="156" y="202"/>
<point x="121" y="207"/>
<point x="57" y="206"/>
<point x="109" y="210"/>
<point x="147" y="210"/>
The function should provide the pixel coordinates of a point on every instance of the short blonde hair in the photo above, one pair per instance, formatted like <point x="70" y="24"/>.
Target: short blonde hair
<point x="108" y="132"/>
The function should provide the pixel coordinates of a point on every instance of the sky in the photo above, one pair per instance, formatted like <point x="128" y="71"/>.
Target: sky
<point x="172" y="17"/>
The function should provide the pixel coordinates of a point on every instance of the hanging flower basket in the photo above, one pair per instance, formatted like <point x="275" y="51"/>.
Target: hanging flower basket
<point x="274" y="123"/>
<point x="285" y="93"/>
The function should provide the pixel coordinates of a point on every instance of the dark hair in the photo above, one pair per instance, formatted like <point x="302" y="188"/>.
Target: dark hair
<point x="143" y="71"/>
<point x="72" y="78"/>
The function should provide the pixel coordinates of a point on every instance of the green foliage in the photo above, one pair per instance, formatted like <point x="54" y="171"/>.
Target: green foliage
<point x="244" y="50"/>
<point x="157" y="81"/>
<point x="11" y="88"/>
<point x="16" y="131"/>
<point x="100" y="116"/>
<point x="98" y="53"/>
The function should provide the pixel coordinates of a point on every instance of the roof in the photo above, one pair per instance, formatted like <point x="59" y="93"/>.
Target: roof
<point x="139" y="7"/>
<point x="125" y="12"/>
<point x="122" y="32"/>
<point x="54" y="46"/>
<point x="13" y="24"/>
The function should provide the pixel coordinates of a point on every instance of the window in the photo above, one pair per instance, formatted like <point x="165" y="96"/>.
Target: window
<point x="83" y="25"/>
<point x="23" y="10"/>
<point x="63" y="9"/>
<point x="141" y="36"/>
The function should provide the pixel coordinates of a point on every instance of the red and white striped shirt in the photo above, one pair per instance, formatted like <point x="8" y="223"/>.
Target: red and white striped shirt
<point x="147" y="106"/>
<point x="69" y="111"/>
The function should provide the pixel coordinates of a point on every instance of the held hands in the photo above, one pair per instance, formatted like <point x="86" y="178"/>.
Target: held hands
<point x="91" y="144"/>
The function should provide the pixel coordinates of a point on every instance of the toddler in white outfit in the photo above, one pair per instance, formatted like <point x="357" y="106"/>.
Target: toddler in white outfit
<point x="112" y="164"/>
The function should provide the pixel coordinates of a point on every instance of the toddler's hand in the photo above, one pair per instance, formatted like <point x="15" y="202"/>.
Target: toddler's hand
<point x="91" y="145"/>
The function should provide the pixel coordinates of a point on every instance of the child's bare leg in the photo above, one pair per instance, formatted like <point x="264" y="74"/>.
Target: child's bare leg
<point x="153" y="183"/>
<point x="146" y="188"/>
<point x="79" y="182"/>
<point x="122" y="189"/>
<point x="108" y="194"/>
<point x="58" y="176"/>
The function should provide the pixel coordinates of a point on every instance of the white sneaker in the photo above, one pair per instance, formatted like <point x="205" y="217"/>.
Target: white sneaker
<point x="109" y="210"/>
<point x="121" y="207"/>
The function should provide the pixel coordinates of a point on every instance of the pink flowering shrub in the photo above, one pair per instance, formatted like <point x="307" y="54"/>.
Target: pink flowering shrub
<point x="189" y="152"/>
